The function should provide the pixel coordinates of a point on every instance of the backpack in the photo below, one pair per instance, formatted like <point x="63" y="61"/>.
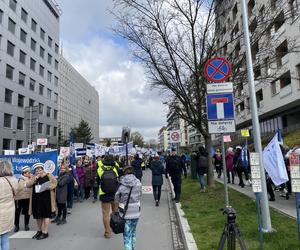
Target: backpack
<point x="109" y="180"/>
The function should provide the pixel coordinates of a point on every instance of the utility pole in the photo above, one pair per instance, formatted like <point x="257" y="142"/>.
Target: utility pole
<point x="266" y="220"/>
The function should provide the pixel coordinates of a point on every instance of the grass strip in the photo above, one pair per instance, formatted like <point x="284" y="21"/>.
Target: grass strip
<point x="207" y="222"/>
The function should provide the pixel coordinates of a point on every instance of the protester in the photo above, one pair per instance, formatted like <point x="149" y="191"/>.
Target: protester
<point x="158" y="170"/>
<point x="239" y="167"/>
<point x="95" y="181"/>
<point x="174" y="168"/>
<point x="137" y="165"/>
<point x="81" y="177"/>
<point x="202" y="166"/>
<point x="8" y="188"/>
<point x="42" y="203"/>
<point x="61" y="194"/>
<point x="108" y="175"/>
<point x="22" y="199"/>
<point x="217" y="159"/>
<point x="89" y="176"/>
<point x="229" y="157"/>
<point x="73" y="178"/>
<point x="129" y="184"/>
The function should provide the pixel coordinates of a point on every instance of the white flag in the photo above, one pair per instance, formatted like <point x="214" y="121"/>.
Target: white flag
<point x="274" y="162"/>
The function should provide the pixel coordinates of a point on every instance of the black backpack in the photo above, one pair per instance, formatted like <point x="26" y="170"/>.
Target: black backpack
<point x="109" y="180"/>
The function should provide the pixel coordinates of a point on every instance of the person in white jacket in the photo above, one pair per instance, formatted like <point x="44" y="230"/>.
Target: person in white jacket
<point x="129" y="182"/>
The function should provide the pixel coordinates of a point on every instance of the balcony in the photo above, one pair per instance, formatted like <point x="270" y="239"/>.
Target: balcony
<point x="286" y="91"/>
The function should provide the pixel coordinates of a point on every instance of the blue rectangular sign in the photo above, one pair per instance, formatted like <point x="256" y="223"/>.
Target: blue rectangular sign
<point x="220" y="106"/>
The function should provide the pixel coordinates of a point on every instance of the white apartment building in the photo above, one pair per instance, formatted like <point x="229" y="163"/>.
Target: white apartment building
<point x="195" y="139"/>
<point x="77" y="100"/>
<point x="29" y="52"/>
<point x="163" y="138"/>
<point x="276" y="69"/>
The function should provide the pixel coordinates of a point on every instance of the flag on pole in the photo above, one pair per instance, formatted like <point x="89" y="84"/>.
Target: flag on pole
<point x="280" y="138"/>
<point x="72" y="149"/>
<point x="274" y="162"/>
<point x="244" y="155"/>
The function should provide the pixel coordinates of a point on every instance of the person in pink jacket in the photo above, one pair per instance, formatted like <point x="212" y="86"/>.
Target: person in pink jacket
<point x="229" y="164"/>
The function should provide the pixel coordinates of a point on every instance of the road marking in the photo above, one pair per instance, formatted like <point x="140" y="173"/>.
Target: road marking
<point x="147" y="190"/>
<point x="23" y="235"/>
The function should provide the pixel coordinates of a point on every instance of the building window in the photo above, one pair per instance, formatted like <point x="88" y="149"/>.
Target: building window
<point x="40" y="128"/>
<point x="41" y="89"/>
<point x="33" y="25"/>
<point x="11" y="25"/>
<point x="22" y="78"/>
<point x="48" y="111"/>
<point x="33" y="44"/>
<point x="1" y="15"/>
<point x="13" y="4"/>
<point x="6" y="144"/>
<point x="282" y="53"/>
<point x="31" y="103"/>
<point x="285" y="80"/>
<point x="56" y="81"/>
<point x="49" y="92"/>
<point x="10" y="48"/>
<point x="42" y="52"/>
<point x="56" y="48"/>
<point x="49" y="41"/>
<point x="32" y="64"/>
<point x="55" y="114"/>
<point x="7" y="120"/>
<point x="23" y="35"/>
<point x="19" y="144"/>
<point x="24" y="15"/>
<point x="49" y="59"/>
<point x="41" y="108"/>
<point x="55" y="97"/>
<point x="54" y="131"/>
<point x="8" y="95"/>
<point x="56" y="64"/>
<point x="22" y="57"/>
<point x="21" y="101"/>
<point x="9" y="72"/>
<point x="49" y="76"/>
<point x="48" y="128"/>
<point x="32" y="84"/>
<point x="42" y="34"/>
<point x="42" y="69"/>
<point x="20" y="123"/>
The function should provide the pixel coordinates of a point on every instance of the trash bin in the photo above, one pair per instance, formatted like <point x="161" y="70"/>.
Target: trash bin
<point x="194" y="169"/>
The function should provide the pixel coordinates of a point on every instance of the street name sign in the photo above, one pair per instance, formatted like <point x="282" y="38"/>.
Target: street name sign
<point x="215" y="88"/>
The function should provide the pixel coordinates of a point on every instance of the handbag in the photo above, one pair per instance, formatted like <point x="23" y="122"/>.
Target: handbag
<point x="117" y="222"/>
<point x="12" y="189"/>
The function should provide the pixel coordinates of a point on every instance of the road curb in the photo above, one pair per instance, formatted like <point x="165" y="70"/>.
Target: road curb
<point x="185" y="230"/>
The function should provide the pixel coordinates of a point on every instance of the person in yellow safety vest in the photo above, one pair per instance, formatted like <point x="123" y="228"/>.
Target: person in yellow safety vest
<point x="143" y="165"/>
<point x="108" y="175"/>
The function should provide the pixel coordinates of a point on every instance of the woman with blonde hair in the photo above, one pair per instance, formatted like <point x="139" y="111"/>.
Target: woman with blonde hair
<point x="8" y="188"/>
<point x="42" y="201"/>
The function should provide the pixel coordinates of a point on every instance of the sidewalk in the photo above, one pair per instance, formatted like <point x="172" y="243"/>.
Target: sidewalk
<point x="84" y="229"/>
<point x="287" y="207"/>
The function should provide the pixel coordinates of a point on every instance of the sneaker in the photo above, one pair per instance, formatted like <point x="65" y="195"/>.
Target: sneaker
<point x="272" y="199"/>
<point x="42" y="236"/>
<point x="38" y="234"/>
<point x="69" y="211"/>
<point x="58" y="222"/>
<point x="27" y="228"/>
<point x="63" y="221"/>
<point x="156" y="203"/>
<point x="55" y="220"/>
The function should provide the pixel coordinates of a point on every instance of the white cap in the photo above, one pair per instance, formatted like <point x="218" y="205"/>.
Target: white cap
<point x="38" y="165"/>
<point x="26" y="169"/>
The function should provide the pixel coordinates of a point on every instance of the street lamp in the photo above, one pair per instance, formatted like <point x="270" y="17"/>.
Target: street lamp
<point x="125" y="139"/>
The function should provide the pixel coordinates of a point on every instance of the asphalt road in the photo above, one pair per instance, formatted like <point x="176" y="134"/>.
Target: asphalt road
<point x="84" y="229"/>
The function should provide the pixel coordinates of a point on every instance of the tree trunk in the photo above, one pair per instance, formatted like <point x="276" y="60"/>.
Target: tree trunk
<point x="210" y="171"/>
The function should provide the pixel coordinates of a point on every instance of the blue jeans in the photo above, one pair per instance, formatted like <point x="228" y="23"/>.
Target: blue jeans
<point x="129" y="235"/>
<point x="4" y="242"/>
<point x="201" y="179"/>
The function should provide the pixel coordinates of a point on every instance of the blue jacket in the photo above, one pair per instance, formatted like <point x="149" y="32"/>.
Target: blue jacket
<point x="158" y="170"/>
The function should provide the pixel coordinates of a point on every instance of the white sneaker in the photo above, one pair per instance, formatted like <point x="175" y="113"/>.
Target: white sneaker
<point x="69" y="211"/>
<point x="249" y="182"/>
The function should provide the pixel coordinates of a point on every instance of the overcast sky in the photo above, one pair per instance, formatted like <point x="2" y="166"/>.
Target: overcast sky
<point x="105" y="61"/>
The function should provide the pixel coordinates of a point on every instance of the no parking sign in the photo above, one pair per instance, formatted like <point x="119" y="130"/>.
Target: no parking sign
<point x="174" y="136"/>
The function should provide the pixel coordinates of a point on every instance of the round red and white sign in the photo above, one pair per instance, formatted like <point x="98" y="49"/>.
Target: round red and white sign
<point x="175" y="136"/>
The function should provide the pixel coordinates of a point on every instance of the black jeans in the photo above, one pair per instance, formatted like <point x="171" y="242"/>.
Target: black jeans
<point x="270" y="189"/>
<point x="62" y="209"/>
<point x="87" y="192"/>
<point x="240" y="172"/>
<point x="176" y="180"/>
<point x="228" y="176"/>
<point x="156" y="192"/>
<point x="22" y="206"/>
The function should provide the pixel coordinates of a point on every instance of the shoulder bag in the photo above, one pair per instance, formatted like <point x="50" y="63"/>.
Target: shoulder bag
<point x="12" y="189"/>
<point x="117" y="222"/>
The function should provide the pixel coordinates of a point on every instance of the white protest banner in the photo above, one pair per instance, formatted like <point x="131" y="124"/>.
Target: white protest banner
<point x="90" y="153"/>
<point x="42" y="141"/>
<point x="9" y="152"/>
<point x="78" y="145"/>
<point x="23" y="151"/>
<point x="274" y="162"/>
<point x="64" y="151"/>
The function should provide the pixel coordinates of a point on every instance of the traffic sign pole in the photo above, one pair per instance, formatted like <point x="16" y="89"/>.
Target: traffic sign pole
<point x="224" y="171"/>
<point x="266" y="220"/>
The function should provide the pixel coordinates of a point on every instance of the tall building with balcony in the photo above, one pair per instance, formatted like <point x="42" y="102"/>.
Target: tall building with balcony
<point x="78" y="99"/>
<point x="29" y="55"/>
<point x="163" y="137"/>
<point x="274" y="32"/>
<point x="195" y="139"/>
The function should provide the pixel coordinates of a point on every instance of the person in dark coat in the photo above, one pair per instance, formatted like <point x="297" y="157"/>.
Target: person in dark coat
<point x="202" y="166"/>
<point x="61" y="195"/>
<point x="174" y="168"/>
<point x="137" y="165"/>
<point x="158" y="170"/>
